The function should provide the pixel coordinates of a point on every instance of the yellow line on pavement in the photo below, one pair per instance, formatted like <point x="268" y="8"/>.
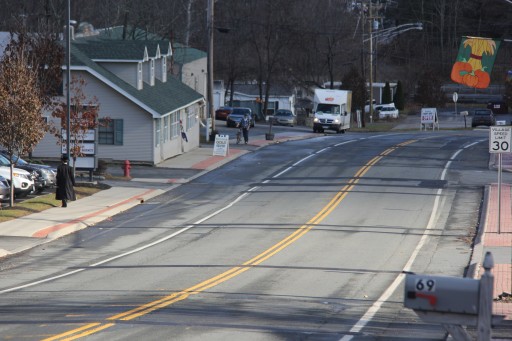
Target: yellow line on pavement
<point x="233" y="272"/>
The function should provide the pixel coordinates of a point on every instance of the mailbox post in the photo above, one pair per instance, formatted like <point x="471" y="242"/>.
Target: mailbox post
<point x="454" y="302"/>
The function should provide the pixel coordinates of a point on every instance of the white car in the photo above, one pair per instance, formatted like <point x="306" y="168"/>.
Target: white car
<point x="388" y="111"/>
<point x="23" y="182"/>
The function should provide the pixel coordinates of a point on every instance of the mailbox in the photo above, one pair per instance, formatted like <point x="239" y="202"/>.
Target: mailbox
<point x="442" y="294"/>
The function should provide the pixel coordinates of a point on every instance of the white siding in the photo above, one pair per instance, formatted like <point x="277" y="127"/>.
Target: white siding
<point x="194" y="75"/>
<point x="138" y="129"/>
<point x="125" y="71"/>
<point x="161" y="69"/>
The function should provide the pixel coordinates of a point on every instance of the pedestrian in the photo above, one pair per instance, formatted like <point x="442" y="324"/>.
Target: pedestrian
<point x="65" y="182"/>
<point x="245" y="123"/>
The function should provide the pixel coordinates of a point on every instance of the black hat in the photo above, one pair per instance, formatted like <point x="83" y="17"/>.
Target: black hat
<point x="64" y="158"/>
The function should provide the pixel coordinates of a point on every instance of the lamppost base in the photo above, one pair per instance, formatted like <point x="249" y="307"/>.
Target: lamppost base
<point x="269" y="136"/>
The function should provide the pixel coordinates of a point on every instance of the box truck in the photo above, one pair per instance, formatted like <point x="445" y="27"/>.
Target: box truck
<point x="332" y="110"/>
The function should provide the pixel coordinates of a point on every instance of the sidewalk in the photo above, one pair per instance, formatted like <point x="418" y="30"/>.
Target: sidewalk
<point x="496" y="238"/>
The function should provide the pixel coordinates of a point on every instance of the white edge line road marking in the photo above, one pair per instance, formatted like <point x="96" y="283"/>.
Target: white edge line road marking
<point x="370" y="313"/>
<point x="141" y="248"/>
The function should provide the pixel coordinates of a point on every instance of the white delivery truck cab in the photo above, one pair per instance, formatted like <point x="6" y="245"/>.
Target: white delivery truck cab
<point x="332" y="110"/>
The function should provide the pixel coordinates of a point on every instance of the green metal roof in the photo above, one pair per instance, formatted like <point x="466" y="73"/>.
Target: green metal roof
<point x="101" y="49"/>
<point x="160" y="99"/>
<point x="184" y="55"/>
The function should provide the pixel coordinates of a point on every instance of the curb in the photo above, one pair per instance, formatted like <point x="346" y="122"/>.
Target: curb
<point x="478" y="246"/>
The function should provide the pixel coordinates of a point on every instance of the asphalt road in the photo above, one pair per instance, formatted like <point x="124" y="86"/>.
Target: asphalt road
<point x="304" y="240"/>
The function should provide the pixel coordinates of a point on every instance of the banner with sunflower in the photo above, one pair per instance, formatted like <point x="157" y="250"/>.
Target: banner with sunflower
<point x="475" y="61"/>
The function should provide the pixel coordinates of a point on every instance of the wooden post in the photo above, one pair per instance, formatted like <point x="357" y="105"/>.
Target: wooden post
<point x="485" y="300"/>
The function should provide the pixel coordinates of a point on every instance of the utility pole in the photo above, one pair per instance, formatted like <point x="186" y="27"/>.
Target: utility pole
<point x="68" y="76"/>
<point x="371" y="59"/>
<point x="210" y="21"/>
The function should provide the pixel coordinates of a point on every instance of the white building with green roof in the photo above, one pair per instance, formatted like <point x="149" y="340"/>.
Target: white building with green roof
<point x="147" y="108"/>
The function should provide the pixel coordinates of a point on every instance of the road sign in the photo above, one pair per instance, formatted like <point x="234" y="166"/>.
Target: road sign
<point x="500" y="139"/>
<point x="455" y="97"/>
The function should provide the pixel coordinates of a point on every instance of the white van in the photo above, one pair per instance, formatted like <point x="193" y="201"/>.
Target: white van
<point x="332" y="110"/>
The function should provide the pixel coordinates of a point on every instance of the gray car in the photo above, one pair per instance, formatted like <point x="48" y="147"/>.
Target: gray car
<point x="284" y="117"/>
<point x="5" y="189"/>
<point x="237" y="115"/>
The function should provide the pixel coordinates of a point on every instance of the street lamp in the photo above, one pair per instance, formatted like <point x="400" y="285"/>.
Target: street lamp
<point x="384" y="35"/>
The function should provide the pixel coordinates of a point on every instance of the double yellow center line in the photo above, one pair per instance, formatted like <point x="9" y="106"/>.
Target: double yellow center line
<point x="235" y="271"/>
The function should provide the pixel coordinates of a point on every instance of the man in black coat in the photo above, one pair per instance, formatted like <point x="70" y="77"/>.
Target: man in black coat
<point x="65" y="183"/>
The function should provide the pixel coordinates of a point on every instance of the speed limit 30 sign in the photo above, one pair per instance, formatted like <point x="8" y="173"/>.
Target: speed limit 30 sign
<point x="500" y="139"/>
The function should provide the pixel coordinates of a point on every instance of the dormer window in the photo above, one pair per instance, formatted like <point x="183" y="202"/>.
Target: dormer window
<point x="164" y="69"/>
<point x="139" y="76"/>
<point x="152" y="72"/>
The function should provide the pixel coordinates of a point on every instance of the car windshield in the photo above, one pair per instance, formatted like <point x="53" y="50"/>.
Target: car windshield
<point x="284" y="113"/>
<point x="482" y="113"/>
<point x="240" y="111"/>
<point x="4" y="161"/>
<point x="328" y="108"/>
<point x="15" y="159"/>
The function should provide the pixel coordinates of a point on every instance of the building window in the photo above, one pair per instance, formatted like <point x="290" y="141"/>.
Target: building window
<point x="166" y="128"/>
<point x="175" y="125"/>
<point x="110" y="132"/>
<point x="139" y="76"/>
<point x="158" y="127"/>
<point x="191" y="118"/>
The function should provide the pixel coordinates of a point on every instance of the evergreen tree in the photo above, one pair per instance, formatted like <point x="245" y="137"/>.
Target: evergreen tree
<point x="386" y="95"/>
<point x="354" y="82"/>
<point x="429" y="92"/>
<point x="399" y="99"/>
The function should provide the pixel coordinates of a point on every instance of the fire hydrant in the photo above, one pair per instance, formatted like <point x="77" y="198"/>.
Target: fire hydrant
<point x="126" y="168"/>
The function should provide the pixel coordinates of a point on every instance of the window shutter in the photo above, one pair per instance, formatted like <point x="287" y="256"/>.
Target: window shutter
<point x="118" y="132"/>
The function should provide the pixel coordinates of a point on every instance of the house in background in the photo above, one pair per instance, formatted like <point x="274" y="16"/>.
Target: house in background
<point x="378" y="90"/>
<point x="219" y="94"/>
<point x="248" y="95"/>
<point x="189" y="65"/>
<point x="147" y="109"/>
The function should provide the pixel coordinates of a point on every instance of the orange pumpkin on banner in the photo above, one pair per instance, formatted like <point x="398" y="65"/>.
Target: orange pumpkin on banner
<point x="484" y="79"/>
<point x="470" y="80"/>
<point x="459" y="70"/>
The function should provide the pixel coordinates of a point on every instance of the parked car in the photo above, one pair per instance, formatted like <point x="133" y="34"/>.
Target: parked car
<point x="222" y="113"/>
<point x="45" y="176"/>
<point x="284" y="117"/>
<point x="483" y="117"/>
<point x="387" y="111"/>
<point x="5" y="189"/>
<point x="498" y="107"/>
<point x="236" y="116"/>
<point x="22" y="180"/>
<point x="367" y="106"/>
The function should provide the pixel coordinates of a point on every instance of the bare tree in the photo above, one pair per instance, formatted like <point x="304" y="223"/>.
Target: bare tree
<point x="22" y="125"/>
<point x="83" y="117"/>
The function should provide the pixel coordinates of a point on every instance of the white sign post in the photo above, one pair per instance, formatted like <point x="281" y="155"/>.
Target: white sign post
<point x="455" y="99"/>
<point x="221" y="146"/>
<point x="429" y="117"/>
<point x="500" y="139"/>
